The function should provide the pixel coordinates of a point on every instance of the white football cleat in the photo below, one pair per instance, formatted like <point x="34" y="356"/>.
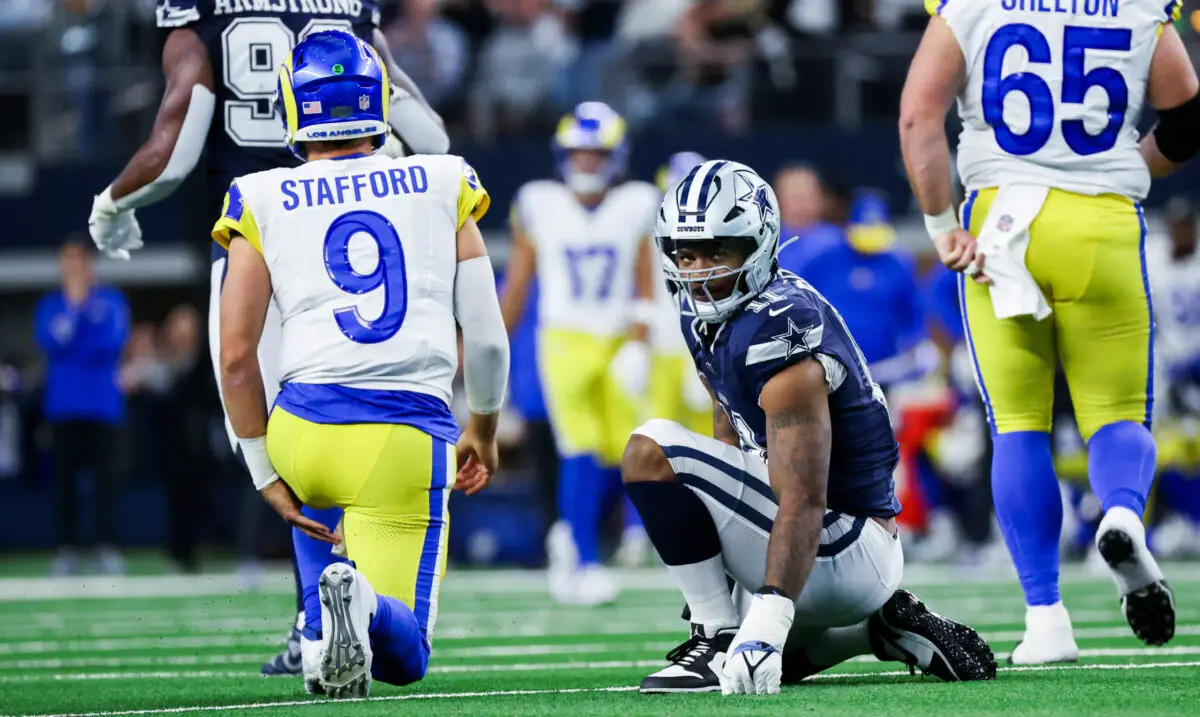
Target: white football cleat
<point x="311" y="658"/>
<point x="635" y="548"/>
<point x="1146" y="599"/>
<point x="1049" y="637"/>
<point x="588" y="586"/>
<point x="561" y="552"/>
<point x="348" y="603"/>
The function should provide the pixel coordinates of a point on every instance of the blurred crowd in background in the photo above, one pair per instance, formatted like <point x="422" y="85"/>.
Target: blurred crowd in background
<point x="499" y="67"/>
<point x="79" y="81"/>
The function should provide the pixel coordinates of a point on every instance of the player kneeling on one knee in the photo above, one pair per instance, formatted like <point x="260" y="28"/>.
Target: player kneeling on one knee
<point x="812" y="531"/>
<point x="362" y="420"/>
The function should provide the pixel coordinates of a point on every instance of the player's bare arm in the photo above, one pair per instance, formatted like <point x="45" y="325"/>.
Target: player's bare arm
<point x="799" y="441"/>
<point x="485" y="359"/>
<point x="935" y="76"/>
<point x="723" y="430"/>
<point x="411" y="115"/>
<point x="244" y="301"/>
<point x="170" y="153"/>
<point x="522" y="265"/>
<point x="643" y="290"/>
<point x="1174" y="91"/>
<point x="186" y="67"/>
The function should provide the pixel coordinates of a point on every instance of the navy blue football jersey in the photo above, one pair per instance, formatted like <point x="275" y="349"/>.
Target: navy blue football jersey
<point x="247" y="41"/>
<point x="786" y="323"/>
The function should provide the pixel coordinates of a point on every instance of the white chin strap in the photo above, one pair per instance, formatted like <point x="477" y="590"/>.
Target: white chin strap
<point x="586" y="182"/>
<point x="714" y="311"/>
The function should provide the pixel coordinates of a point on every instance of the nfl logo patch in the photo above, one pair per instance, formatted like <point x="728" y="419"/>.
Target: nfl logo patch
<point x="364" y="102"/>
<point x="1005" y="223"/>
<point x="311" y="108"/>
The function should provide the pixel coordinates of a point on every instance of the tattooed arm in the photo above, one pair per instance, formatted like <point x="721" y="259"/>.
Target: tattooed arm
<point x="798" y="444"/>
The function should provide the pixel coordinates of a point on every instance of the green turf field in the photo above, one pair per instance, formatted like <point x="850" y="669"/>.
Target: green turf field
<point x="164" y="645"/>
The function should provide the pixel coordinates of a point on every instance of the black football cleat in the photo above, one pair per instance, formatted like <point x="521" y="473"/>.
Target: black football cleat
<point x="694" y="664"/>
<point x="1150" y="610"/>
<point x="905" y="630"/>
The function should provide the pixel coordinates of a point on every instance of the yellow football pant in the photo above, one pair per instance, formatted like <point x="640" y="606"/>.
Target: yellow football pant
<point x="666" y="394"/>
<point x="589" y="412"/>
<point x="1087" y="255"/>
<point x="393" y="482"/>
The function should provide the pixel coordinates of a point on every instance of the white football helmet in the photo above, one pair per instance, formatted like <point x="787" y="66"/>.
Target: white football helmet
<point x="719" y="199"/>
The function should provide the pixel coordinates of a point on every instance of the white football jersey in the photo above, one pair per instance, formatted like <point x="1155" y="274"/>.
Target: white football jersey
<point x="586" y="258"/>
<point x="1054" y="91"/>
<point x="362" y="254"/>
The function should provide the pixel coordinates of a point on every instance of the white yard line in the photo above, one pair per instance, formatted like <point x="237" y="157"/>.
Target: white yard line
<point x="113" y="663"/>
<point x="522" y="667"/>
<point x="478" y="583"/>
<point x="505" y="693"/>
<point x="586" y="629"/>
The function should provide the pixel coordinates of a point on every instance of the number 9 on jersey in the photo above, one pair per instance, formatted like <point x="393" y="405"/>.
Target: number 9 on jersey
<point x="388" y="276"/>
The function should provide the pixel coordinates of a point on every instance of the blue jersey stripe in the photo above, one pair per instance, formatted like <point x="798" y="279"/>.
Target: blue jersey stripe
<point x="715" y="463"/>
<point x="428" y="567"/>
<point x="1150" y="308"/>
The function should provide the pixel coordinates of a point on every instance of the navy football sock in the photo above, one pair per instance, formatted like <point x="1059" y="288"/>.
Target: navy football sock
<point x="401" y="650"/>
<point x="1029" y="509"/>
<point x="580" y="495"/>
<point x="633" y="519"/>
<point x="1121" y="462"/>
<point x="312" y="557"/>
<point x="682" y="531"/>
<point x="298" y="582"/>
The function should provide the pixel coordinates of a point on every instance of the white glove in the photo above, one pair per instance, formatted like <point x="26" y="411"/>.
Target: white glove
<point x="695" y="393"/>
<point x="755" y="664"/>
<point x="631" y="367"/>
<point x="392" y="146"/>
<point x="115" y="232"/>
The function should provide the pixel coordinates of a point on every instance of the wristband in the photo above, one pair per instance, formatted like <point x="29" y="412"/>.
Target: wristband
<point x="254" y="452"/>
<point x="644" y="311"/>
<point x="772" y="590"/>
<point x="940" y="224"/>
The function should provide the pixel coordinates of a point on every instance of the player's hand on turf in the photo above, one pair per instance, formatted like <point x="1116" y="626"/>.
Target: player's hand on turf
<point x="958" y="251"/>
<point x="280" y="496"/>
<point x="478" y="459"/>
<point x="754" y="665"/>
<point x="752" y="668"/>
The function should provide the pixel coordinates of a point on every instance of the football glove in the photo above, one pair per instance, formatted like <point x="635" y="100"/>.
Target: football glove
<point x="631" y="367"/>
<point x="115" y="232"/>
<point x="755" y="663"/>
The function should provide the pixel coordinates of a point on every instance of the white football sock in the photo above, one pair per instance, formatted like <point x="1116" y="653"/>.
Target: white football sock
<point x="707" y="593"/>
<point x="838" y="644"/>
<point x="1142" y="570"/>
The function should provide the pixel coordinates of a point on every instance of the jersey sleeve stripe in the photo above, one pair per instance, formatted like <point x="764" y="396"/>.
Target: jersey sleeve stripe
<point x="1172" y="10"/>
<point x="236" y="217"/>
<point x="935" y="7"/>
<point x="473" y="199"/>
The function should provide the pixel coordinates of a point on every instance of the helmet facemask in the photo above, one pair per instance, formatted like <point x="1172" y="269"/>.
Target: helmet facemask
<point x="715" y="291"/>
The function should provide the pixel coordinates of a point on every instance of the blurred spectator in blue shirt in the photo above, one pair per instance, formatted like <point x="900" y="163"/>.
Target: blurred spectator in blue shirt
<point x="803" y="212"/>
<point x="82" y="329"/>
<point x="874" y="287"/>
